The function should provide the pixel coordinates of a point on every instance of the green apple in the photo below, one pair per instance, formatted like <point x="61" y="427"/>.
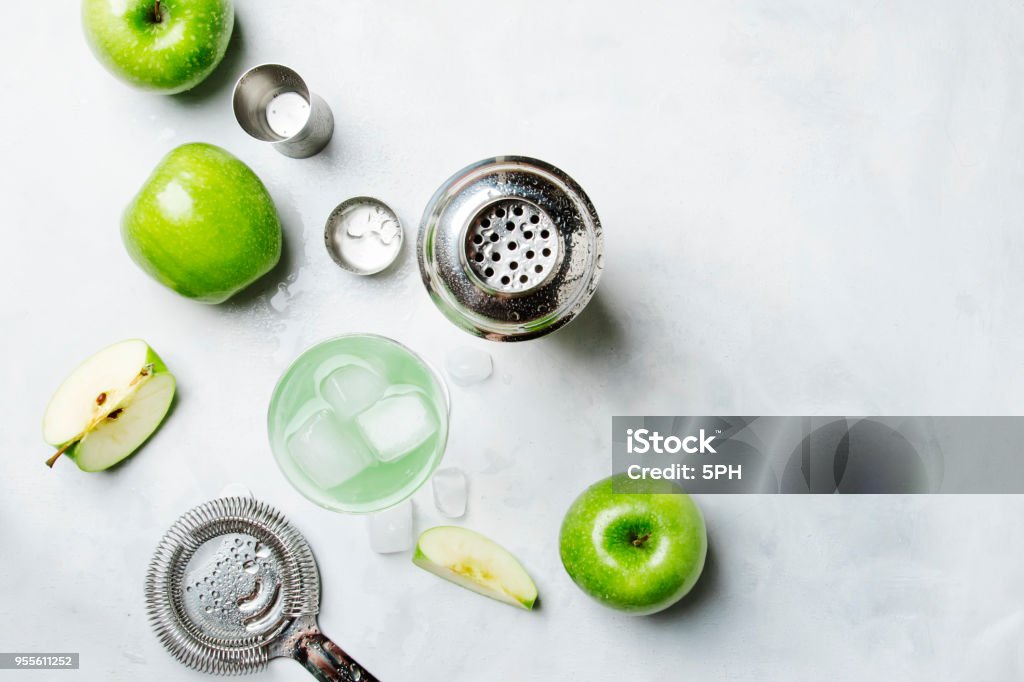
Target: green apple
<point x="203" y="224"/>
<point x="477" y="563"/>
<point x="109" y="405"/>
<point x="638" y="548"/>
<point x="166" y="46"/>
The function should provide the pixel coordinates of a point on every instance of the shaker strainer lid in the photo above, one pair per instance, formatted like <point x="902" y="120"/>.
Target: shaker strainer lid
<point x="510" y="248"/>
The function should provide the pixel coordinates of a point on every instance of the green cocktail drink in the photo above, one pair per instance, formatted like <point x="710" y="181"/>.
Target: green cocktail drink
<point x="358" y="423"/>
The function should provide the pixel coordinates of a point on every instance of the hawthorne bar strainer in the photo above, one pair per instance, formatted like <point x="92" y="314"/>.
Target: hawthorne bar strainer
<point x="510" y="248"/>
<point x="232" y="585"/>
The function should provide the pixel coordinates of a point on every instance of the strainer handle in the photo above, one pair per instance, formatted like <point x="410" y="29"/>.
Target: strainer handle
<point x="327" y="661"/>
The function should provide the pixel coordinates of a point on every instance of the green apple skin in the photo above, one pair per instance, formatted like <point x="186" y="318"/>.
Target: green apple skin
<point x="167" y="56"/>
<point x="203" y="224"/>
<point x="638" y="550"/>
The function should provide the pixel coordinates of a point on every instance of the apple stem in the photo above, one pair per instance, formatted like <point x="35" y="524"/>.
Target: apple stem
<point x="639" y="542"/>
<point x="158" y="16"/>
<point x="50" y="462"/>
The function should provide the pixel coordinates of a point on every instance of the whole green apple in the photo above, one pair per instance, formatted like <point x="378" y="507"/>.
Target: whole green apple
<point x="164" y="46"/>
<point x="638" y="548"/>
<point x="203" y="224"/>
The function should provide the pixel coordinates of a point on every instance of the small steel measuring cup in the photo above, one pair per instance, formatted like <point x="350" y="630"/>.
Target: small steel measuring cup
<point x="273" y="104"/>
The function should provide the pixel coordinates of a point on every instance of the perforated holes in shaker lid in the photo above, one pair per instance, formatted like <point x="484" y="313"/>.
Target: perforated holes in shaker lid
<point x="510" y="248"/>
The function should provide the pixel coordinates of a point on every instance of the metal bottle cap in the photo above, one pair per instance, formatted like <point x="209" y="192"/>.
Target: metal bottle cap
<point x="363" y="235"/>
<point x="510" y="248"/>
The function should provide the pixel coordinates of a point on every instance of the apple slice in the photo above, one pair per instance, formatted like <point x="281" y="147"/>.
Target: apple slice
<point x="109" y="405"/>
<point x="475" y="562"/>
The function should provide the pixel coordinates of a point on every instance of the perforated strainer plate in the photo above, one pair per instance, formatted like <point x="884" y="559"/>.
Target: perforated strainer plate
<point x="513" y="246"/>
<point x="232" y="584"/>
<point x="510" y="248"/>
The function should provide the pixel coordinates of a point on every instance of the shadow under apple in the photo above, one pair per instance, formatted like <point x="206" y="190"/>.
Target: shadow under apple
<point x="706" y="590"/>
<point x="292" y="246"/>
<point x="224" y="76"/>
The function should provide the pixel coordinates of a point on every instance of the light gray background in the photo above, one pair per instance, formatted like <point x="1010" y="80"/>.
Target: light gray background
<point x="810" y="208"/>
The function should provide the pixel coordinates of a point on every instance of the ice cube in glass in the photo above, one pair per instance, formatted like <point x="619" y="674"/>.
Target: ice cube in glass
<point x="352" y="388"/>
<point x="396" y="425"/>
<point x="326" y="452"/>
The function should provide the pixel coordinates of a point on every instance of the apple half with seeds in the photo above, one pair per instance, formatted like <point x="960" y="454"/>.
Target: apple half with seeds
<point x="108" y="406"/>
<point x="477" y="563"/>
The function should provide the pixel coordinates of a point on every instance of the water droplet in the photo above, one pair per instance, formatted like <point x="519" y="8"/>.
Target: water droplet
<point x="250" y="567"/>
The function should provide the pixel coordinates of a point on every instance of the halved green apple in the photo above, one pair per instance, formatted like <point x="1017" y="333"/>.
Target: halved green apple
<point x="477" y="563"/>
<point x="109" y="405"/>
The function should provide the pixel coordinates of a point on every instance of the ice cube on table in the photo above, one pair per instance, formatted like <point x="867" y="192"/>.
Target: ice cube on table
<point x="391" y="530"/>
<point x="468" y="366"/>
<point x="235" y="490"/>
<point x="449" y="486"/>
<point x="396" y="425"/>
<point x="350" y="389"/>
<point x="326" y="452"/>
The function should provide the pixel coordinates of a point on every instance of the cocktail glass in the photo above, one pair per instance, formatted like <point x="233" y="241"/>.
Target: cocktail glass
<point x="358" y="423"/>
